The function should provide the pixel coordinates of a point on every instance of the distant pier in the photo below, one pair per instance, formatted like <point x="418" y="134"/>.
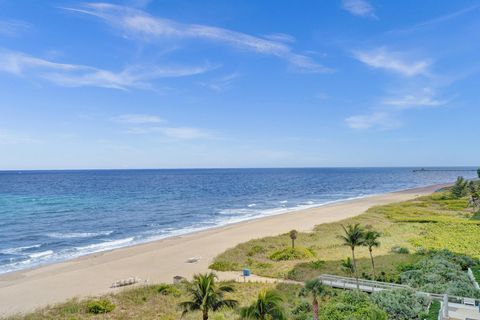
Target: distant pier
<point x="443" y="170"/>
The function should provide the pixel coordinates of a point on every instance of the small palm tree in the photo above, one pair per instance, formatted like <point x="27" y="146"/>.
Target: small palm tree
<point x="268" y="306"/>
<point x="314" y="288"/>
<point x="293" y="235"/>
<point x="347" y="266"/>
<point x="354" y="237"/>
<point x="371" y="241"/>
<point x="207" y="295"/>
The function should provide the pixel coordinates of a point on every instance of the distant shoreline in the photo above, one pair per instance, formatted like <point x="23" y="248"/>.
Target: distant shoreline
<point x="159" y="261"/>
<point x="460" y="168"/>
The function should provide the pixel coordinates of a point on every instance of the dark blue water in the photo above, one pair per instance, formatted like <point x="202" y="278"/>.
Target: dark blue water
<point x="49" y="216"/>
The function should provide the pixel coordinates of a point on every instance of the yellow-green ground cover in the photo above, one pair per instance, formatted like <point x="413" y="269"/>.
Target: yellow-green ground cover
<point x="149" y="302"/>
<point x="430" y="222"/>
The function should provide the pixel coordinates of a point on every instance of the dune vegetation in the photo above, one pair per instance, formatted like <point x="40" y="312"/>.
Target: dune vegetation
<point x="427" y="243"/>
<point x="408" y="230"/>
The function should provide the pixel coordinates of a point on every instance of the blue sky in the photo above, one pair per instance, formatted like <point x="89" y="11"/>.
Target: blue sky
<point x="174" y="84"/>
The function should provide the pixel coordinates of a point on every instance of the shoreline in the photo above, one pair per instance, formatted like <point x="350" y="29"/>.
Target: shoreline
<point x="191" y="230"/>
<point x="160" y="260"/>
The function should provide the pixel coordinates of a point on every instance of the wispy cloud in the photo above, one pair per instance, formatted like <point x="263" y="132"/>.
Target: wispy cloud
<point x="424" y="98"/>
<point x="220" y="84"/>
<point x="178" y="133"/>
<point x="141" y="124"/>
<point x="397" y="62"/>
<point x="361" y="8"/>
<point x="380" y="120"/>
<point x="138" y="24"/>
<point x="186" y="133"/>
<point x="74" y="75"/>
<point x="12" y="28"/>
<point x="437" y="20"/>
<point x="137" y="119"/>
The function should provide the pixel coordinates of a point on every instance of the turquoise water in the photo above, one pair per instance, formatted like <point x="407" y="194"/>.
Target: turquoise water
<point x="51" y="216"/>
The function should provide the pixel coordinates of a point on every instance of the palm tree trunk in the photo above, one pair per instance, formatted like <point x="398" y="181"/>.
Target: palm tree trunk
<point x="315" y="308"/>
<point x="205" y="314"/>
<point x="373" y="264"/>
<point x="355" y="267"/>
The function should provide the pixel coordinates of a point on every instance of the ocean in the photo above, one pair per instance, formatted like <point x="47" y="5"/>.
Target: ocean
<point x="52" y="216"/>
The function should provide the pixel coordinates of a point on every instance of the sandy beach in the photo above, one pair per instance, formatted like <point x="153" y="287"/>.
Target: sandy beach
<point x="160" y="261"/>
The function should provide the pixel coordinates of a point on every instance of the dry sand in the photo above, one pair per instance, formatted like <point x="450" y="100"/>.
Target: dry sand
<point x="159" y="261"/>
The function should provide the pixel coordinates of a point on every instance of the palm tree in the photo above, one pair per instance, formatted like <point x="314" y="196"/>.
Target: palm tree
<point x="293" y="235"/>
<point x="371" y="241"/>
<point x="354" y="237"/>
<point x="347" y="266"/>
<point x="268" y="306"/>
<point x="207" y="295"/>
<point x="316" y="289"/>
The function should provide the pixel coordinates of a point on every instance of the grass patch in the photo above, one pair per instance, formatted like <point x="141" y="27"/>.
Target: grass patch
<point x="156" y="302"/>
<point x="433" y="311"/>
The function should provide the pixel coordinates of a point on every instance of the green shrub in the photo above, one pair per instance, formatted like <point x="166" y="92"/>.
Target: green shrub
<point x="317" y="264"/>
<point x="459" y="189"/>
<point x="441" y="272"/>
<point x="302" y="311"/>
<point x="168" y="289"/>
<point x="224" y="266"/>
<point x="255" y="250"/>
<point x="400" y="250"/>
<point x="297" y="253"/>
<point x="100" y="306"/>
<point x="351" y="305"/>
<point x="401" y="304"/>
<point x="476" y="273"/>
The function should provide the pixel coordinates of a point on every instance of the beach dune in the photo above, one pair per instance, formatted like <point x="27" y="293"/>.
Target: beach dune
<point x="160" y="261"/>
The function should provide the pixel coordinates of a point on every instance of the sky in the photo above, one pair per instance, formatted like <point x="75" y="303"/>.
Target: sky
<point x="215" y="84"/>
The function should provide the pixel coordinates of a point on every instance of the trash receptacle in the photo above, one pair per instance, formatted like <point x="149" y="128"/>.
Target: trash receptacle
<point x="246" y="272"/>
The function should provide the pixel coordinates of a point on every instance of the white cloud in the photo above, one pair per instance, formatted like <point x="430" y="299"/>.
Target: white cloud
<point x="425" y="98"/>
<point x="178" y="133"/>
<point x="186" y="133"/>
<point x="138" y="24"/>
<point x="221" y="83"/>
<point x="380" y="120"/>
<point x="281" y="37"/>
<point x="12" y="28"/>
<point x="359" y="8"/>
<point x="393" y="61"/>
<point x="137" y="119"/>
<point x="152" y="124"/>
<point x="73" y="75"/>
<point x="438" y="20"/>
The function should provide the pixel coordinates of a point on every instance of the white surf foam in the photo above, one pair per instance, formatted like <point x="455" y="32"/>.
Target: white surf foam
<point x="18" y="250"/>
<point x="71" y="235"/>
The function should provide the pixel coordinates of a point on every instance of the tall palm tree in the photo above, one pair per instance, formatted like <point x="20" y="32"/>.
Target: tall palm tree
<point x="371" y="241"/>
<point x="293" y="235"/>
<point x="315" y="288"/>
<point x="268" y="306"/>
<point x="207" y="295"/>
<point x="354" y="236"/>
